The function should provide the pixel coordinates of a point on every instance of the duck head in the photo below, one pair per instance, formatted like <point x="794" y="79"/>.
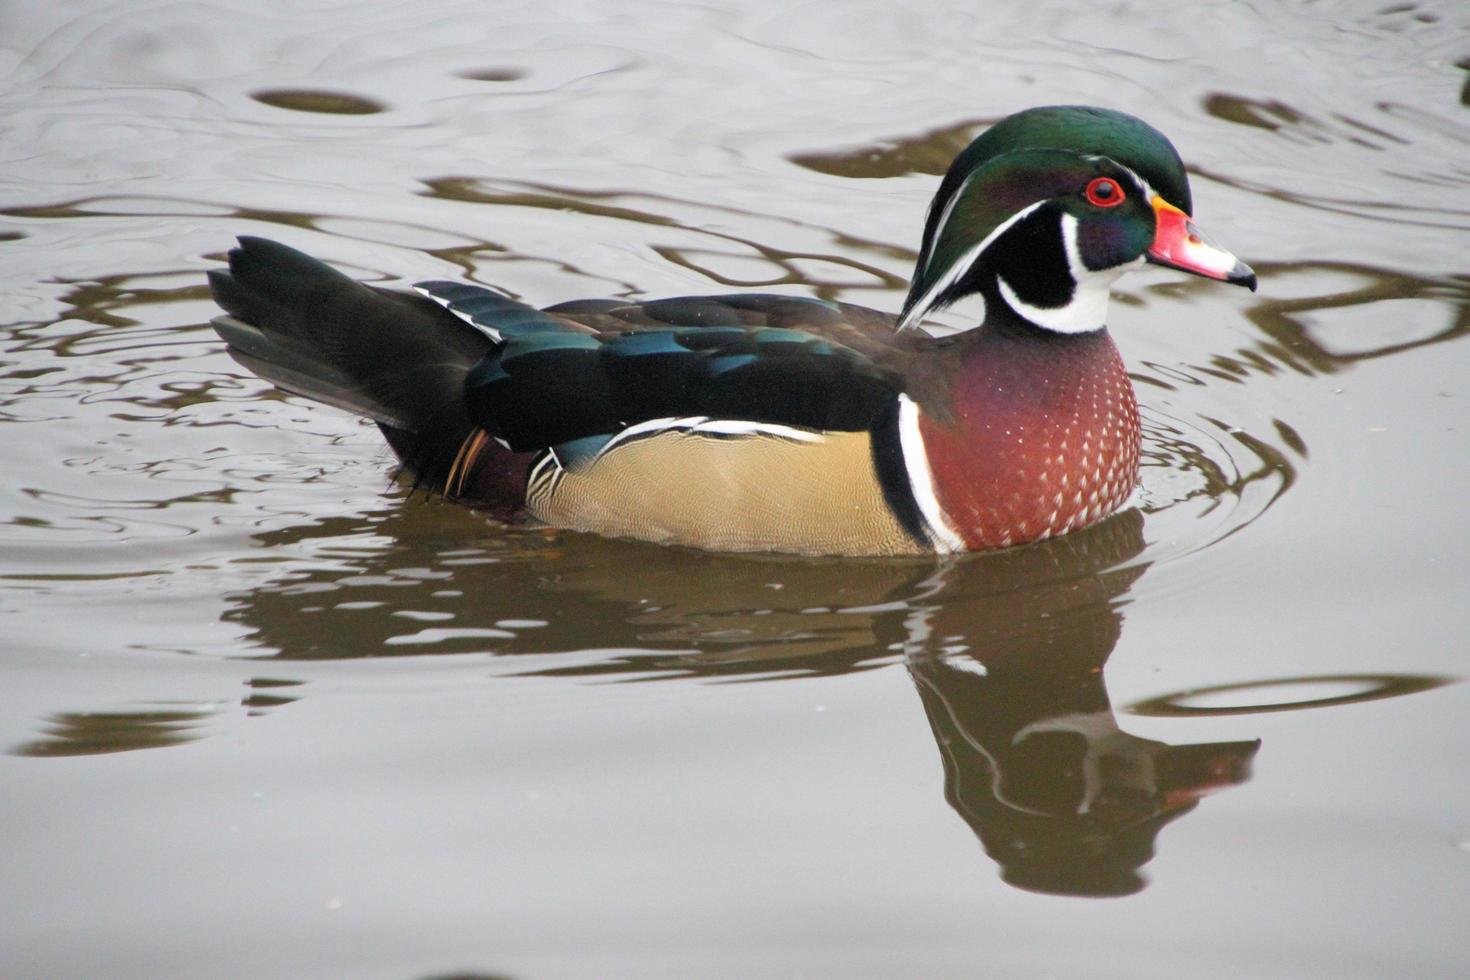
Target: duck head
<point x="1047" y="208"/>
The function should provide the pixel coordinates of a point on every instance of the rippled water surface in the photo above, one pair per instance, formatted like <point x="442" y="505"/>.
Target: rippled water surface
<point x="265" y="713"/>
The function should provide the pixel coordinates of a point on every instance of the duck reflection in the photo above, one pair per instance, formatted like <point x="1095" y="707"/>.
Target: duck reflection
<point x="1006" y="650"/>
<point x="1063" y="799"/>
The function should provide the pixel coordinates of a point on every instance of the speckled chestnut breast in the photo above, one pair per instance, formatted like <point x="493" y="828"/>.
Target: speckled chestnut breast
<point x="1040" y="439"/>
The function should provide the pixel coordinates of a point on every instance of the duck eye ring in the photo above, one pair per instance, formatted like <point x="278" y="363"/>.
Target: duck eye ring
<point x="1104" y="192"/>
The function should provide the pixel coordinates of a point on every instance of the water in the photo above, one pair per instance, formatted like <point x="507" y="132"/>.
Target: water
<point x="267" y="714"/>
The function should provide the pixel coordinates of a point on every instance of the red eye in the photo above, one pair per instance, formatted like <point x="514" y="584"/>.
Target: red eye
<point x="1104" y="192"/>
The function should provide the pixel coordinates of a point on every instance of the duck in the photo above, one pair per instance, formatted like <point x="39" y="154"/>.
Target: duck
<point x="760" y="422"/>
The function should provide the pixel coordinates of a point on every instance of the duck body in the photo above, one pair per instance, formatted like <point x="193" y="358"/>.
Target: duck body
<point x="774" y="423"/>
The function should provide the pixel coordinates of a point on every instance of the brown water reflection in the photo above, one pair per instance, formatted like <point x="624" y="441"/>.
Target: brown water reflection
<point x="69" y="733"/>
<point x="1261" y="697"/>
<point x="927" y="153"/>
<point x="778" y="266"/>
<point x="1304" y="344"/>
<point x="160" y="724"/>
<point x="1006" y="652"/>
<point x="310" y="100"/>
<point x="401" y="592"/>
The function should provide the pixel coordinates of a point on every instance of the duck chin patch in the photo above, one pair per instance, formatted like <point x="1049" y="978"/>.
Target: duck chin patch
<point x="1086" y="309"/>
<point x="1085" y="312"/>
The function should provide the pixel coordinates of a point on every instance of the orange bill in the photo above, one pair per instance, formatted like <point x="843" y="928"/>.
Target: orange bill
<point x="1179" y="244"/>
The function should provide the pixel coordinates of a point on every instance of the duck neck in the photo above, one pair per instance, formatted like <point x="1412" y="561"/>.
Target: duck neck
<point x="1041" y="279"/>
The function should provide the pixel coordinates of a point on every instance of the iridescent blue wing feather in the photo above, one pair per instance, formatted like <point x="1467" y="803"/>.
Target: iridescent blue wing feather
<point x="741" y="358"/>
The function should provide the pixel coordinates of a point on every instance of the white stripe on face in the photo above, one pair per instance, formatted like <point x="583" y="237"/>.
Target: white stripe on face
<point x="961" y="266"/>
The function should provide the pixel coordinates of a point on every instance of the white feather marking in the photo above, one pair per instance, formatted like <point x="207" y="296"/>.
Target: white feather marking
<point x="967" y="665"/>
<point x="953" y="274"/>
<point x="647" y="428"/>
<point x="921" y="479"/>
<point x="484" y="328"/>
<point x="540" y="485"/>
<point x="548" y="460"/>
<point x="739" y="427"/>
<point x="703" y="425"/>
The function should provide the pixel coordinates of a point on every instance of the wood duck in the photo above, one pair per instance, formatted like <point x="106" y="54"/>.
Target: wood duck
<point x="762" y="422"/>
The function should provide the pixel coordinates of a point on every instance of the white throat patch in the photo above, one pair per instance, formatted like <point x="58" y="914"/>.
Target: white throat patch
<point x="1088" y="308"/>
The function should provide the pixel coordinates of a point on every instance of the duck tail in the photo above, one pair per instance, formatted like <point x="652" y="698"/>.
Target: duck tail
<point x="396" y="358"/>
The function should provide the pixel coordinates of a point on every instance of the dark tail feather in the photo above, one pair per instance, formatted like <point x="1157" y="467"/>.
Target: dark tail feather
<point x="396" y="358"/>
